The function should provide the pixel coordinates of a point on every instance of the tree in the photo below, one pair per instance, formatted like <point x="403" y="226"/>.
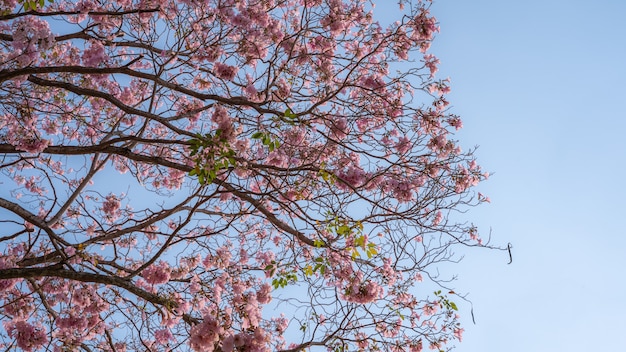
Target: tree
<point x="171" y="168"/>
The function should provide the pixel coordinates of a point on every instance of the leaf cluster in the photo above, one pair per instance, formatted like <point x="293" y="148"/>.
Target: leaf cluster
<point x="211" y="154"/>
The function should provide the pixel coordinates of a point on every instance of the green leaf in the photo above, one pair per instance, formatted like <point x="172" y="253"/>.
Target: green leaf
<point x="453" y="306"/>
<point x="257" y="135"/>
<point x="360" y="241"/>
<point x="289" y="114"/>
<point x="343" y="230"/>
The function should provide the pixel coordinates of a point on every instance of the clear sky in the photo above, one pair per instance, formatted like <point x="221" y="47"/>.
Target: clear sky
<point x="540" y="87"/>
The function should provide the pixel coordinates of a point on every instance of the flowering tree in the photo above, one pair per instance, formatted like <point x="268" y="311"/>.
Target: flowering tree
<point x="178" y="173"/>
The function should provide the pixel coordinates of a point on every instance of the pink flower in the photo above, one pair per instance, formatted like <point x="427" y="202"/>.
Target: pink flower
<point x="284" y="89"/>
<point x="437" y="219"/>
<point x="28" y="337"/>
<point x="403" y="145"/>
<point x="32" y="145"/>
<point x="228" y="343"/>
<point x="30" y="35"/>
<point x="362" y="341"/>
<point x="163" y="336"/>
<point x="416" y="346"/>
<point x="224" y="71"/>
<point x="32" y="185"/>
<point x="203" y="336"/>
<point x="431" y="62"/>
<point x="353" y="176"/>
<point x="94" y="55"/>
<point x="372" y="82"/>
<point x="430" y="309"/>
<point x="111" y="207"/>
<point x="455" y="122"/>
<point x="458" y="333"/>
<point x="157" y="273"/>
<point x="70" y="251"/>
<point x="281" y="322"/>
<point x="264" y="295"/>
<point x="419" y="277"/>
<point x="72" y="323"/>
<point x="363" y="293"/>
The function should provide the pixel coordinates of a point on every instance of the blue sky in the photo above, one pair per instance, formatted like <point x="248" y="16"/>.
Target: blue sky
<point x="540" y="88"/>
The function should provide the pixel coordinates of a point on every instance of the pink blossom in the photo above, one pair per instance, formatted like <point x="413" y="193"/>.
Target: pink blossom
<point x="203" y="336"/>
<point x="252" y="313"/>
<point x="158" y="273"/>
<point x="221" y="259"/>
<point x="111" y="207"/>
<point x="8" y="5"/>
<point x="430" y="309"/>
<point x="458" y="333"/>
<point x="224" y="122"/>
<point x="372" y="82"/>
<point x="403" y="145"/>
<point x="224" y="71"/>
<point x="94" y="55"/>
<point x="128" y="95"/>
<point x="32" y="145"/>
<point x="30" y="35"/>
<point x="415" y="346"/>
<point x="431" y="62"/>
<point x="27" y="336"/>
<point x="32" y="185"/>
<point x="363" y="293"/>
<point x="483" y="198"/>
<point x="353" y="176"/>
<point x="277" y="158"/>
<point x="437" y="219"/>
<point x="339" y="128"/>
<point x="264" y="295"/>
<point x="228" y="343"/>
<point x="402" y="191"/>
<point x="284" y="89"/>
<point x="163" y="336"/>
<point x="281" y="323"/>
<point x="418" y="277"/>
<point x="20" y="308"/>
<point x="70" y="251"/>
<point x="72" y="323"/>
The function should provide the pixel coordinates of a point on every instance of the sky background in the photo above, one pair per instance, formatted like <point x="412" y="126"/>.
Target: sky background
<point x="540" y="87"/>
